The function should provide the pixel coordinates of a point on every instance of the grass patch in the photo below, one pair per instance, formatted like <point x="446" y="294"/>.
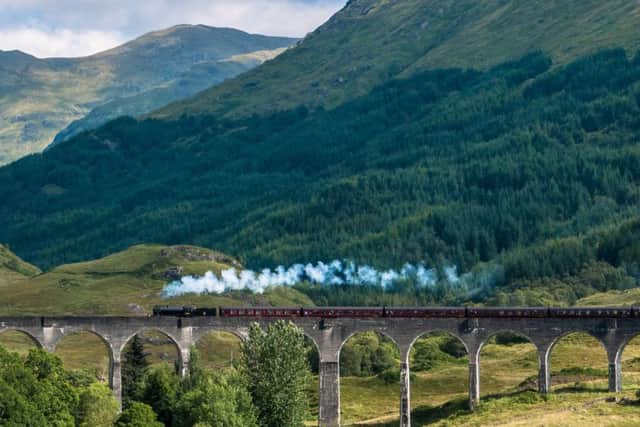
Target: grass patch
<point x="17" y="342"/>
<point x="218" y="350"/>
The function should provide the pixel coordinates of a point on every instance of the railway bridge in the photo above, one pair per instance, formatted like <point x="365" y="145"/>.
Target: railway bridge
<point x="329" y="335"/>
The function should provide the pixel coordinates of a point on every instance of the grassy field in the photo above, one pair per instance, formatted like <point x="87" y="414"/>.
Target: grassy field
<point x="563" y="408"/>
<point x="626" y="297"/>
<point x="126" y="283"/>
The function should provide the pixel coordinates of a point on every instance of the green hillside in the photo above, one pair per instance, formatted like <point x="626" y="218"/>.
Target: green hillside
<point x="199" y="77"/>
<point x="371" y="41"/>
<point x="41" y="97"/>
<point x="627" y="297"/>
<point x="13" y="269"/>
<point x="126" y="283"/>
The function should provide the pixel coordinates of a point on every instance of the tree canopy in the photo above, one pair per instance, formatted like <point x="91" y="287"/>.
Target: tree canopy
<point x="38" y="391"/>
<point x="274" y="362"/>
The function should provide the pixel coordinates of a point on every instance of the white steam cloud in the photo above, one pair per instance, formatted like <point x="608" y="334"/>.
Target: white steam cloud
<point x="333" y="273"/>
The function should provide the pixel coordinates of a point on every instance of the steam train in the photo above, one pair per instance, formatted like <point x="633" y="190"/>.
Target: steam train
<point x="401" y="312"/>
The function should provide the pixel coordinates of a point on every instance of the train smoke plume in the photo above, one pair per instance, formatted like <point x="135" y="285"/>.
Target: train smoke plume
<point x="333" y="273"/>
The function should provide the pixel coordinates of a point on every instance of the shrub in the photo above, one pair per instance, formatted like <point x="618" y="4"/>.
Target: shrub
<point x="392" y="376"/>
<point x="427" y="354"/>
<point x="510" y="339"/>
<point x="453" y="347"/>
<point x="138" y="415"/>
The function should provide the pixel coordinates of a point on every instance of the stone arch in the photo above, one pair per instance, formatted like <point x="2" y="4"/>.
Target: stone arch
<point x="454" y="334"/>
<point x="565" y="334"/>
<point x="622" y="347"/>
<point x="361" y="331"/>
<point x="172" y="337"/>
<point x="65" y="333"/>
<point x="517" y="333"/>
<point x="39" y="344"/>
<point x="425" y="384"/>
<point x="355" y="390"/>
<point x="484" y="341"/>
<point x="108" y="345"/>
<point x="554" y="343"/>
<point x="618" y="361"/>
<point x="211" y="357"/>
<point x="313" y="340"/>
<point x="182" y="353"/>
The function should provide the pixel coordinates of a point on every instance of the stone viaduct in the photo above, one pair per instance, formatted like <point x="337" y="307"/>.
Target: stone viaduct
<point x="330" y="334"/>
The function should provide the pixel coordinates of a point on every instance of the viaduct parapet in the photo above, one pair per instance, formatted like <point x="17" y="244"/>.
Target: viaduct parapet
<point x="329" y="335"/>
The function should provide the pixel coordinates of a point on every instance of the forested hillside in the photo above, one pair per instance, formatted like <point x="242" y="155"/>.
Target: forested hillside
<point x="448" y="167"/>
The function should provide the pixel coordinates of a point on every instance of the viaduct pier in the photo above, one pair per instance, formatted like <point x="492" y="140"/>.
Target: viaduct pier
<point x="330" y="334"/>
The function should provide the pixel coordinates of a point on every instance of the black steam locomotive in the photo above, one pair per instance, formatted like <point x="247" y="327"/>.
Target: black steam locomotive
<point x="401" y="312"/>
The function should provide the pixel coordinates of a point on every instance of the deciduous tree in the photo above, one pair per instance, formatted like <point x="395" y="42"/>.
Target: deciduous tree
<point x="275" y="365"/>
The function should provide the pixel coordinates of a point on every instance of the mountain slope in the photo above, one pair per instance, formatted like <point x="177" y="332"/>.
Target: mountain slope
<point x="448" y="166"/>
<point x="199" y="77"/>
<point x="40" y="97"/>
<point x="370" y="41"/>
<point x="125" y="283"/>
<point x="13" y="269"/>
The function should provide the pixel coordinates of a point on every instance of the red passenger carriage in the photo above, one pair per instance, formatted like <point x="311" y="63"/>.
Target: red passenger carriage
<point x="335" y="312"/>
<point x="260" y="312"/>
<point x="425" y="312"/>
<point x="508" y="312"/>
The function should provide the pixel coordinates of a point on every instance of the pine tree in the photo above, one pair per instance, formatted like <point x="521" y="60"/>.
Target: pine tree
<point x="134" y="368"/>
